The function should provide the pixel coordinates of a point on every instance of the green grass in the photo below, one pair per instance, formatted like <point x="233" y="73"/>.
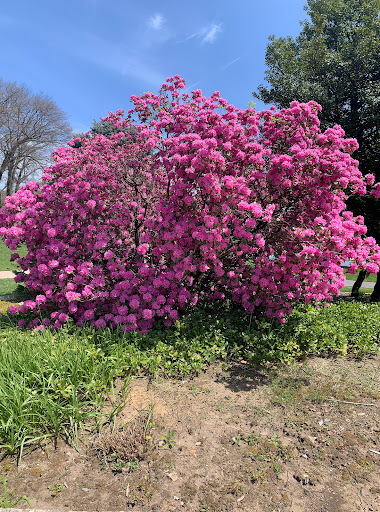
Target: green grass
<point x="52" y="382"/>
<point x="5" y="256"/>
<point x="9" y="287"/>
<point x="363" y="289"/>
<point x="369" y="277"/>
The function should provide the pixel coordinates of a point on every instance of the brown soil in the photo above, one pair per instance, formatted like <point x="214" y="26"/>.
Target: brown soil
<point x="232" y="439"/>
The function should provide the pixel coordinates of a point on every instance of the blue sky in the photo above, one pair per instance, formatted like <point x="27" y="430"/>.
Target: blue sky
<point x="89" y="56"/>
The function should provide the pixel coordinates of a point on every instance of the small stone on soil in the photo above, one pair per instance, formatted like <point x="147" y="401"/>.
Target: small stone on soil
<point x="173" y="477"/>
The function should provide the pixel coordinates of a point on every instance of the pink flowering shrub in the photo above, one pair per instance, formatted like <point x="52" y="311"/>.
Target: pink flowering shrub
<point x="204" y="201"/>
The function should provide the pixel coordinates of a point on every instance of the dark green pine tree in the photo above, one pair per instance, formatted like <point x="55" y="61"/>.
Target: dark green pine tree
<point x="335" y="61"/>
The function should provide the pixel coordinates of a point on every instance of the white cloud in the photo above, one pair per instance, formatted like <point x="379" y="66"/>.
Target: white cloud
<point x="206" y="34"/>
<point x="211" y="32"/>
<point x="156" y="21"/>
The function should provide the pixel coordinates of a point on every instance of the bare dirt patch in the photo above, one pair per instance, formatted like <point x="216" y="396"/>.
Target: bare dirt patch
<point x="231" y="439"/>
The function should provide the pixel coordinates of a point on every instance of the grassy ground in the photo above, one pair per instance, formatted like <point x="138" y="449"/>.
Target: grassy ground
<point x="363" y="289"/>
<point x="369" y="277"/>
<point x="5" y="256"/>
<point x="9" y="287"/>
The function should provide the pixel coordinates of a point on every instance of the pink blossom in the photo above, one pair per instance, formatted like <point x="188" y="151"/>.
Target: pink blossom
<point x="108" y="255"/>
<point x="147" y="314"/>
<point x="226" y="205"/>
<point x="142" y="249"/>
<point x="88" y="314"/>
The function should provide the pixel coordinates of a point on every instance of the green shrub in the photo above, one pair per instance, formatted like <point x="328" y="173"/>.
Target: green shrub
<point x="341" y="328"/>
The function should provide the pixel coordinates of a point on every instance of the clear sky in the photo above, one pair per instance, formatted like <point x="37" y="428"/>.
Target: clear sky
<point x="89" y="56"/>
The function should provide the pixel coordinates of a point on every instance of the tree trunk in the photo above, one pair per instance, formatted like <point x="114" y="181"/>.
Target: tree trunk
<point x="358" y="283"/>
<point x="11" y="180"/>
<point x="375" y="295"/>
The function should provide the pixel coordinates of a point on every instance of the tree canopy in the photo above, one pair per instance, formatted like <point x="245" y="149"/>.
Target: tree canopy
<point x="31" y="126"/>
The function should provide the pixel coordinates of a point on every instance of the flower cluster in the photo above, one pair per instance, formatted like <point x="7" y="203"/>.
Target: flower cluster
<point x="192" y="199"/>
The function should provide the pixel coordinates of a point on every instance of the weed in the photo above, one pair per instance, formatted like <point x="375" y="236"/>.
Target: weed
<point x="139" y="494"/>
<point x="235" y="489"/>
<point x="252" y="439"/>
<point x="196" y="390"/>
<point x="132" y="464"/>
<point x="257" y="475"/>
<point x="367" y="465"/>
<point x="237" y="440"/>
<point x="123" y="447"/>
<point x="8" y="500"/>
<point x="118" y="464"/>
<point x="56" y="489"/>
<point x="168" y="439"/>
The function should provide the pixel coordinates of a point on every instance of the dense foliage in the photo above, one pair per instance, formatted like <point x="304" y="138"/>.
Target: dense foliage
<point x="205" y="201"/>
<point x="335" y="61"/>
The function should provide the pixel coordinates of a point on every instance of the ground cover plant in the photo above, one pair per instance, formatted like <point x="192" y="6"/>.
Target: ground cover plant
<point x="191" y="200"/>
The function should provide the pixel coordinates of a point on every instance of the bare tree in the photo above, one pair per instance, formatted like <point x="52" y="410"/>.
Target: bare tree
<point x="31" y="126"/>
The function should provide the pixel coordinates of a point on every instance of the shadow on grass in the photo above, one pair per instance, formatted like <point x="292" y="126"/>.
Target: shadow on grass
<point x="19" y="294"/>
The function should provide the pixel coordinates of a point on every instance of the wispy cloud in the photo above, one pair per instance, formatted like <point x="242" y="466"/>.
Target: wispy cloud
<point x="211" y="33"/>
<point x="116" y="57"/>
<point x="137" y="68"/>
<point x="156" y="22"/>
<point x="230" y="63"/>
<point x="206" y="34"/>
<point x="191" y="86"/>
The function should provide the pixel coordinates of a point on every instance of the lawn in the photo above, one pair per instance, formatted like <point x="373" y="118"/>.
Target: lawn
<point x="363" y="289"/>
<point x="5" y="257"/>
<point x="370" y="277"/>
<point x="9" y="287"/>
